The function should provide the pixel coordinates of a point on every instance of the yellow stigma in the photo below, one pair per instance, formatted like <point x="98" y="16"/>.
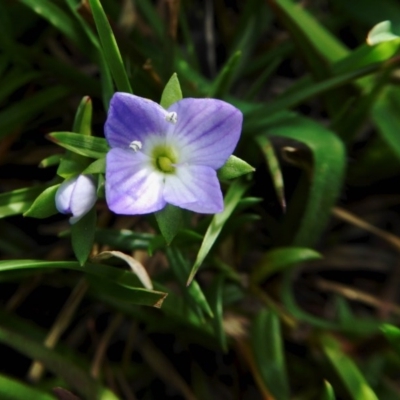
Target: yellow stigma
<point x="165" y="164"/>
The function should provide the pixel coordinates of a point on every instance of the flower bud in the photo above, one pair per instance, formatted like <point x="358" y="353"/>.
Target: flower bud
<point x="76" y="196"/>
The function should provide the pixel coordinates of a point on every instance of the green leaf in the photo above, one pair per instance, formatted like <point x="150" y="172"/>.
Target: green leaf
<point x="96" y="167"/>
<point x="193" y="293"/>
<point x="329" y="159"/>
<point x="215" y="298"/>
<point x="12" y="389"/>
<point x="82" y="235"/>
<point x="50" y="161"/>
<point x="232" y="198"/>
<point x="268" y="352"/>
<point x="347" y="370"/>
<point x="70" y="167"/>
<point x="18" y="201"/>
<point x="110" y="48"/>
<point x="60" y="365"/>
<point x="328" y="393"/>
<point x="307" y="31"/>
<point x="171" y="93"/>
<point x="44" y="205"/>
<point x="169" y="220"/>
<point x="274" y="168"/>
<point x="258" y="116"/>
<point x="88" y="146"/>
<point x="386" y="117"/>
<point x="392" y="333"/>
<point x="233" y="168"/>
<point x="122" y="279"/>
<point x="83" y="117"/>
<point x="381" y="32"/>
<point x="223" y="81"/>
<point x="58" y="18"/>
<point x="109" y="291"/>
<point x="280" y="259"/>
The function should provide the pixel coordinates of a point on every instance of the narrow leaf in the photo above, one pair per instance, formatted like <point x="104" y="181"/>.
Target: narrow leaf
<point x="347" y="370"/>
<point x="44" y="205"/>
<point x="88" y="146"/>
<point x="268" y="352"/>
<point x="83" y="117"/>
<point x="232" y="198"/>
<point x="136" y="267"/>
<point x="280" y="259"/>
<point x="110" y="47"/>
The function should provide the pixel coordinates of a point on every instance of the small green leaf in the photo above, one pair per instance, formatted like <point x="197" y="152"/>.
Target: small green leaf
<point x="233" y="168"/>
<point x="70" y="167"/>
<point x="50" y="161"/>
<point x="110" y="47"/>
<point x="172" y="92"/>
<point x="82" y="236"/>
<point x="169" y="220"/>
<point x="328" y="393"/>
<point x="232" y="198"/>
<point x="280" y="259"/>
<point x="44" y="206"/>
<point x="268" y="351"/>
<point x="96" y="167"/>
<point x="88" y="146"/>
<point x="347" y="370"/>
<point x="392" y="333"/>
<point x="381" y="32"/>
<point x="83" y="117"/>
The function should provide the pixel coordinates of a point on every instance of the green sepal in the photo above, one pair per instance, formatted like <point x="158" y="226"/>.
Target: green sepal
<point x="169" y="220"/>
<point x="172" y="92"/>
<point x="82" y="236"/>
<point x="44" y="205"/>
<point x="233" y="168"/>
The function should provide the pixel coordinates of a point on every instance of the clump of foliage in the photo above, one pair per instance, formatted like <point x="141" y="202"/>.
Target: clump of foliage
<point x="291" y="291"/>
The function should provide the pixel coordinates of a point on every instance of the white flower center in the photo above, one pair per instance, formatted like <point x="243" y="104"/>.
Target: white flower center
<point x="135" y="145"/>
<point x="172" y="117"/>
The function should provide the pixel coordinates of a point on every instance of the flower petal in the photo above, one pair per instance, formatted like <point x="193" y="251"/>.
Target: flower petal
<point x="207" y="131"/>
<point x="194" y="188"/>
<point x="63" y="196"/>
<point x="83" y="197"/>
<point x="132" y="118"/>
<point x="133" y="185"/>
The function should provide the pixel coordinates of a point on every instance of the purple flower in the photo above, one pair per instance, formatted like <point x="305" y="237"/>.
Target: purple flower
<point x="170" y="156"/>
<point x="76" y="196"/>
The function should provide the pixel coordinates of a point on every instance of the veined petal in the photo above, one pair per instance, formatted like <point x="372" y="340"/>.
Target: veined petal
<point x="207" y="131"/>
<point x="83" y="197"/>
<point x="133" y="185"/>
<point x="194" y="188"/>
<point x="132" y="118"/>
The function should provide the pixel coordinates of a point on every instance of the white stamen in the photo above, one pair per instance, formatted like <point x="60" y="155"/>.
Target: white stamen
<point x="172" y="117"/>
<point x="135" y="145"/>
